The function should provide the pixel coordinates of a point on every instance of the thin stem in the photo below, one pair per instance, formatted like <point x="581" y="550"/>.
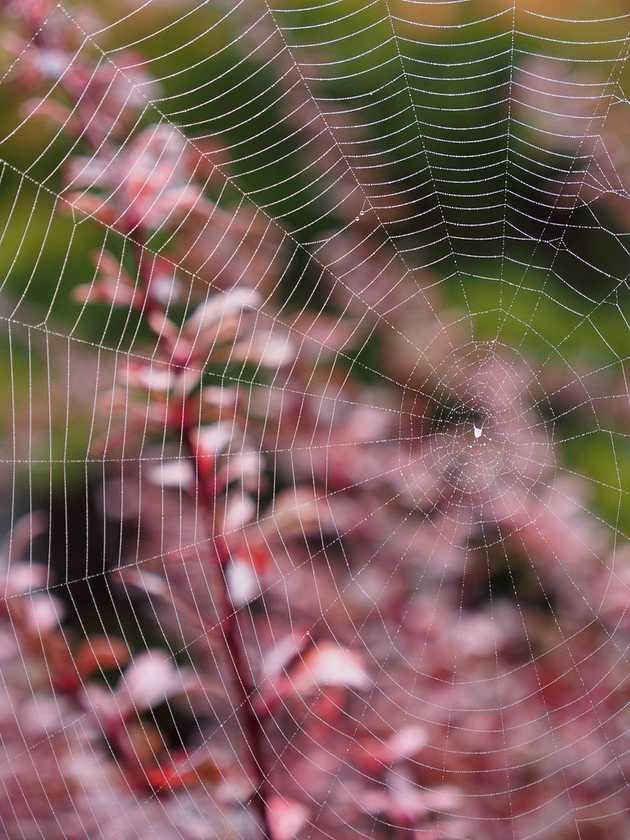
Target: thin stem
<point x="220" y="556"/>
<point x="252" y="724"/>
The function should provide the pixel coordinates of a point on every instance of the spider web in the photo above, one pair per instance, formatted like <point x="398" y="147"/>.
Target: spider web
<point x="315" y="355"/>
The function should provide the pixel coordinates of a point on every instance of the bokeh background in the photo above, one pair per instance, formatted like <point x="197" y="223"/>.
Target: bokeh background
<point x="493" y="141"/>
<point x="471" y="41"/>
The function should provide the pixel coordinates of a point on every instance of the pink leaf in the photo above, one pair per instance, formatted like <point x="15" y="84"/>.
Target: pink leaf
<point x="405" y="743"/>
<point x="238" y="513"/>
<point x="23" y="577"/>
<point x="42" y="613"/>
<point x="243" y="583"/>
<point x="445" y="798"/>
<point x="281" y="655"/>
<point x="177" y="473"/>
<point x="209" y="440"/>
<point x="148" y="681"/>
<point x="330" y="665"/>
<point x="221" y="306"/>
<point x="286" y="818"/>
<point x="266" y="349"/>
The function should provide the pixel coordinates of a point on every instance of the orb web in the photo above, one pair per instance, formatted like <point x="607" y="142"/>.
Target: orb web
<point x="315" y="353"/>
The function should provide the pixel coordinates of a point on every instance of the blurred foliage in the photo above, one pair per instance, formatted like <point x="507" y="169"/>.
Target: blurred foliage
<point x="541" y="307"/>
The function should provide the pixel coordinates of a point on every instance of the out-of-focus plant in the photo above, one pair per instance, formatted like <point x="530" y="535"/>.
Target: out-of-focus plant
<point x="370" y="578"/>
<point x="144" y="183"/>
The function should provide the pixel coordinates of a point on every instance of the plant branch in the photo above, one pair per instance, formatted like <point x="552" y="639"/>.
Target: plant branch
<point x="252" y="725"/>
